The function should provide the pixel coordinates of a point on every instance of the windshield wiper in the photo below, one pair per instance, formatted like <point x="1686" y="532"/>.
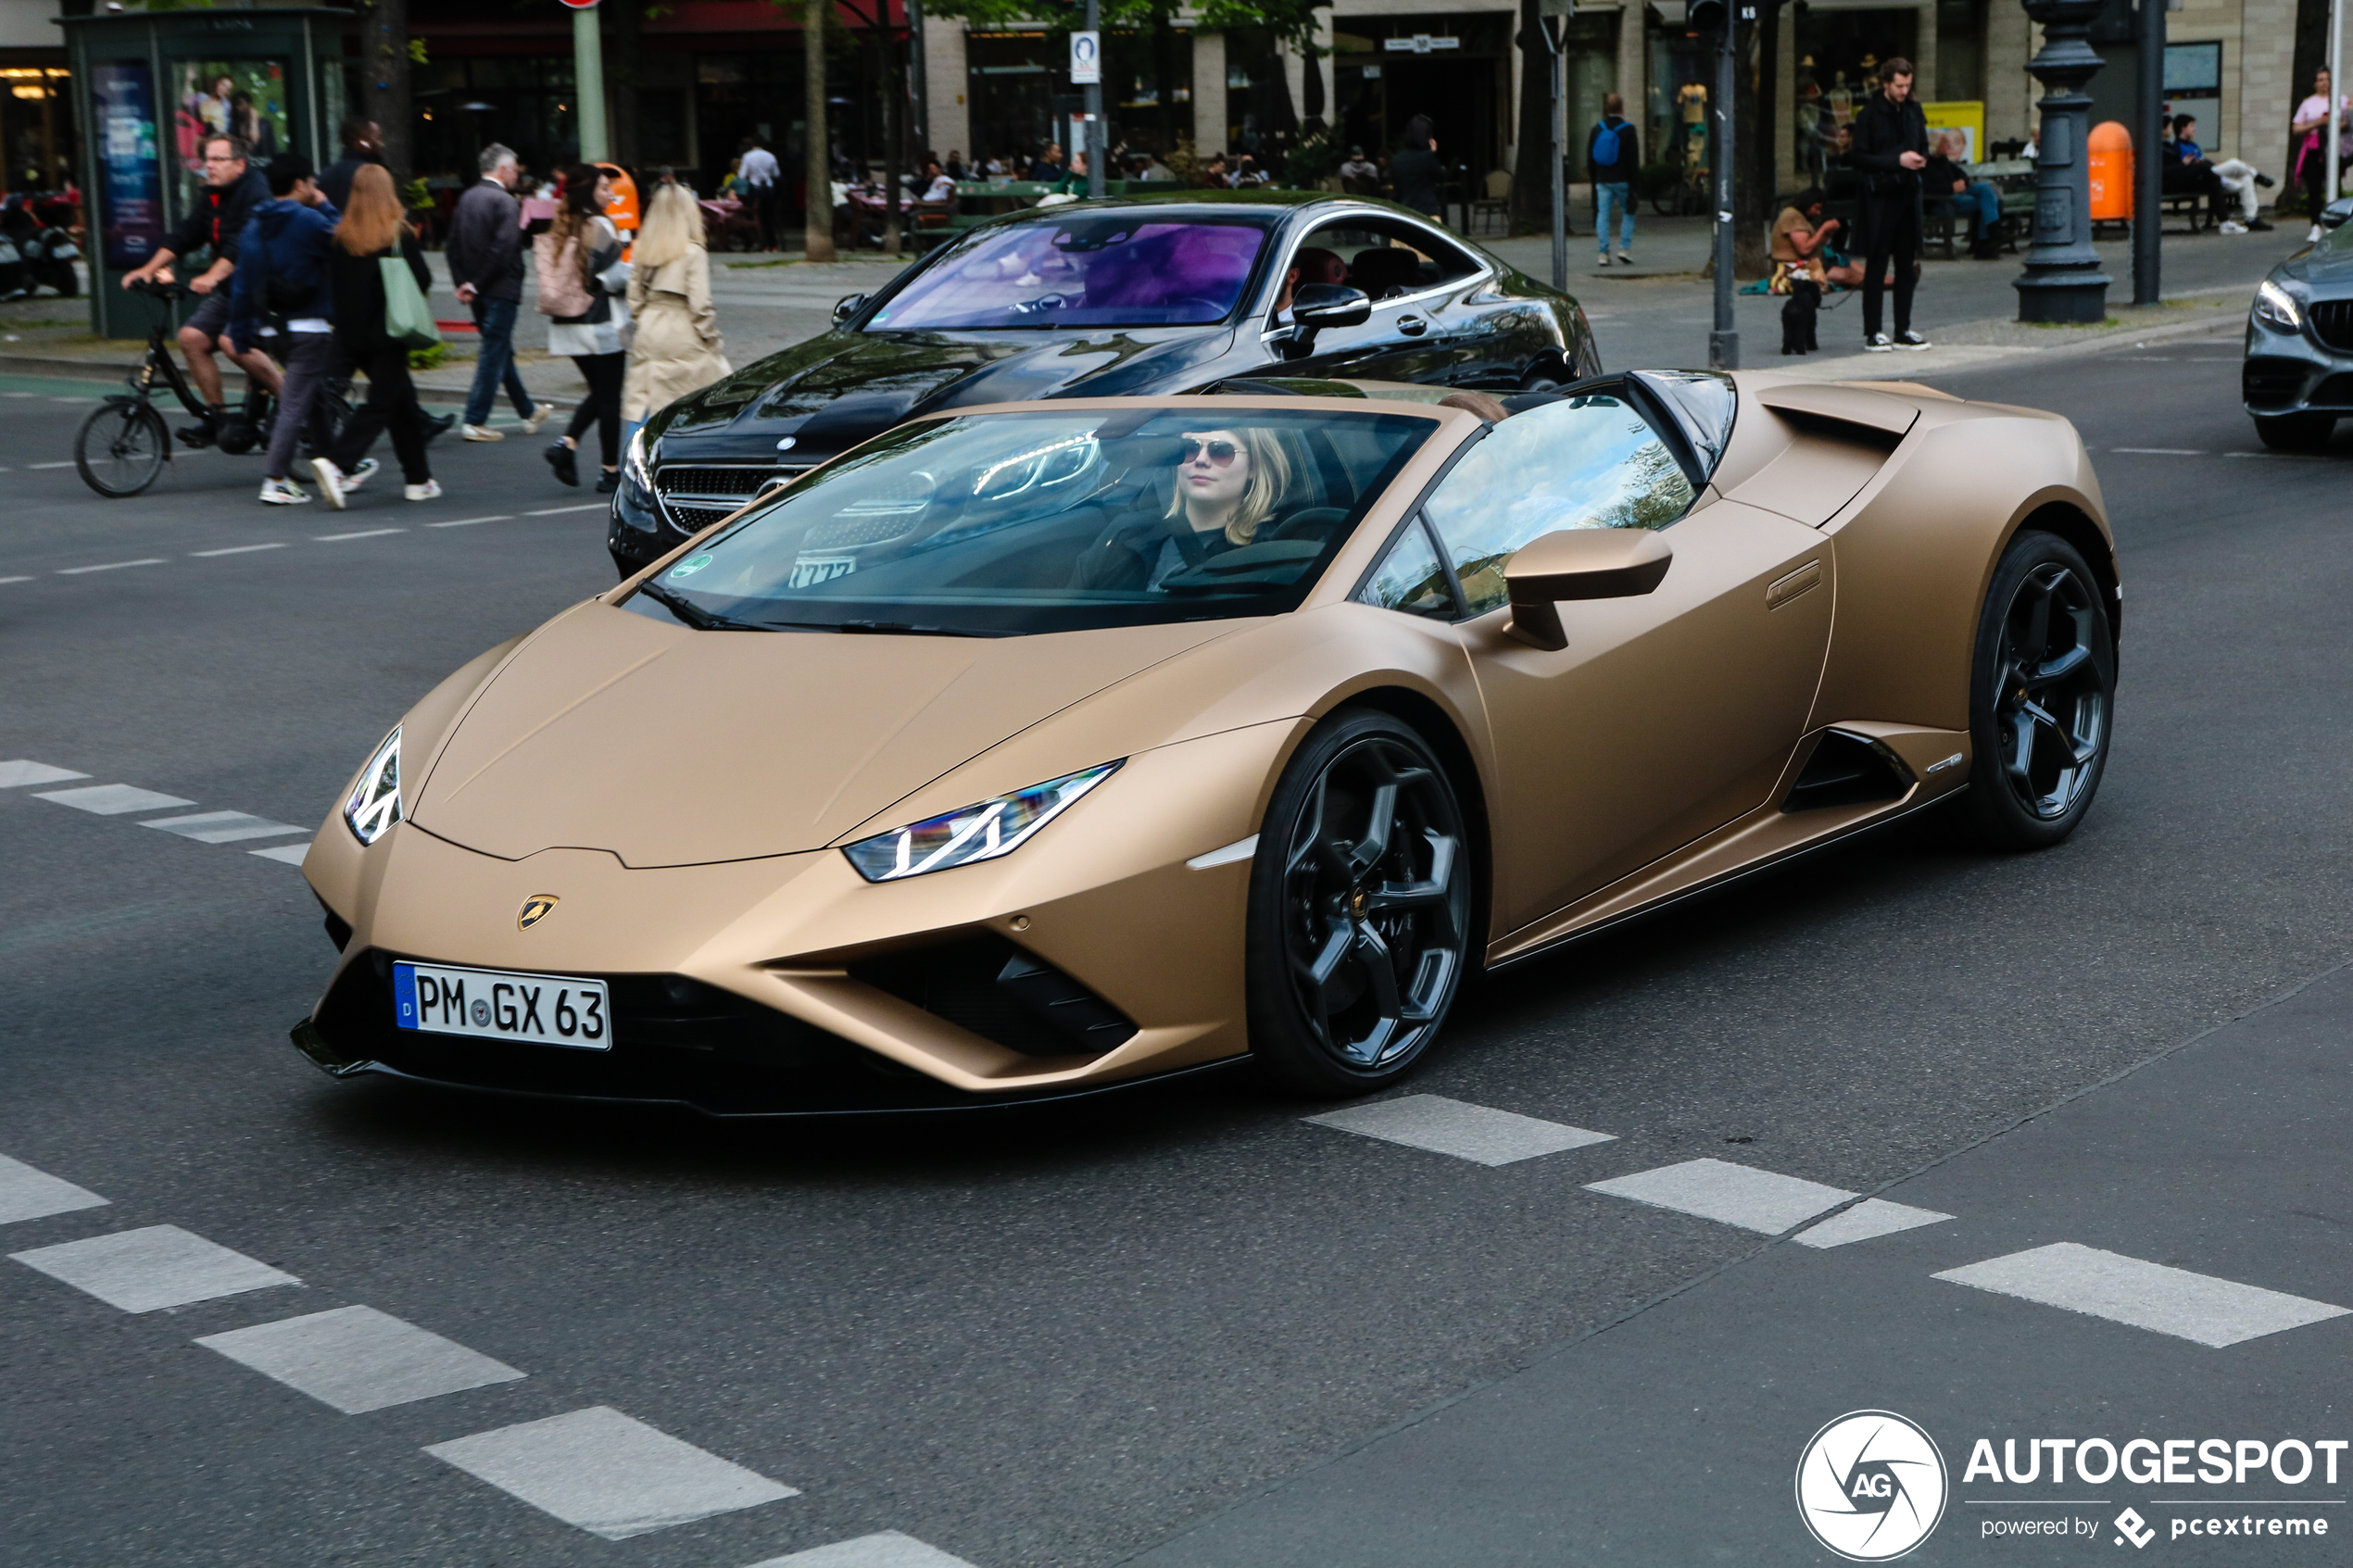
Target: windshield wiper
<point x="909" y="629"/>
<point x="693" y="614"/>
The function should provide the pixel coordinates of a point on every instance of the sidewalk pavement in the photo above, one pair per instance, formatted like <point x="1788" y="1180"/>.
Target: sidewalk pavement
<point x="1658" y="313"/>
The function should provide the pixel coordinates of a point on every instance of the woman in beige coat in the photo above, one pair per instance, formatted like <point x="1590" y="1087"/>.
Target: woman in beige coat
<point x="678" y="348"/>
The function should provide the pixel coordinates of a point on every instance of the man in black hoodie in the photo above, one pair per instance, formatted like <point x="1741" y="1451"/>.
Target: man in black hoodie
<point x="217" y="223"/>
<point x="1890" y="148"/>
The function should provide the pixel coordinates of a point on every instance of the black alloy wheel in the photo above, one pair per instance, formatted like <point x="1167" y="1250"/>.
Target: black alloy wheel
<point x="121" y="447"/>
<point x="2042" y="696"/>
<point x="2294" y="432"/>
<point x="1360" y="908"/>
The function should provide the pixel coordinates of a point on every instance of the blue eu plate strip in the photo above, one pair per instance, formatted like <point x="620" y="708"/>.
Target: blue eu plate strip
<point x="404" y="995"/>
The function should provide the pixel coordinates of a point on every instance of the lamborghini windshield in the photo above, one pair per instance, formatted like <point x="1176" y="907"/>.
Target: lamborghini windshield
<point x="1001" y="524"/>
<point x="1092" y="269"/>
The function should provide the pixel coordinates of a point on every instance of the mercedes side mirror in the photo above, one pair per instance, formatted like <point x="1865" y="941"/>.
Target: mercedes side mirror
<point x="1578" y="563"/>
<point x="849" y="305"/>
<point x="1330" y="305"/>
<point x="2333" y="215"/>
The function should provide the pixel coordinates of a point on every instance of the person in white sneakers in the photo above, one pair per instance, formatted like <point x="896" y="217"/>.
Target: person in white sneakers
<point x="370" y="234"/>
<point x="484" y="253"/>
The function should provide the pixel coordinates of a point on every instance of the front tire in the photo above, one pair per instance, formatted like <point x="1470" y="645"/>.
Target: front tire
<point x="2042" y="695"/>
<point x="1360" y="910"/>
<point x="2294" y="432"/>
<point x="121" y="447"/>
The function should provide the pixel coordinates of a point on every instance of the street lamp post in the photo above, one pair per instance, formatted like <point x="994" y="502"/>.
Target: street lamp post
<point x="2063" y="280"/>
<point x="1724" y="342"/>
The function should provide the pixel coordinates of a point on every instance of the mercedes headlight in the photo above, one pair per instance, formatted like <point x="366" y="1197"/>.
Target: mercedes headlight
<point x="975" y="833"/>
<point x="2277" y="309"/>
<point x="376" y="799"/>
<point x="636" y="463"/>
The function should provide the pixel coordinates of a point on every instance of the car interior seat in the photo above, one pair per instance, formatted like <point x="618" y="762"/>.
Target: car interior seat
<point x="1386" y="272"/>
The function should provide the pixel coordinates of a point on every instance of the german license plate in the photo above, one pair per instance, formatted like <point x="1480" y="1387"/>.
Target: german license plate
<point x="543" y="1009"/>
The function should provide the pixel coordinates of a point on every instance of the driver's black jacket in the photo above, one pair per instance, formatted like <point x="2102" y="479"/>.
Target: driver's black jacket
<point x="217" y="221"/>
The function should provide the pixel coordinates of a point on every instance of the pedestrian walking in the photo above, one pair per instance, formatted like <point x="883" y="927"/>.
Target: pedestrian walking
<point x="363" y="142"/>
<point x="1416" y="171"/>
<point x="676" y="348"/>
<point x="1613" y="153"/>
<point x="582" y="279"/>
<point x="281" y="299"/>
<point x="484" y="254"/>
<point x="1890" y="148"/>
<point x="2312" y="166"/>
<point x="757" y="173"/>
<point x="371" y="233"/>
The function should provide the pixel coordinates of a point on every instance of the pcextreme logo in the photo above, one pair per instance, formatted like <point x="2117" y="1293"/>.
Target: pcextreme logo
<point x="1872" y="1485"/>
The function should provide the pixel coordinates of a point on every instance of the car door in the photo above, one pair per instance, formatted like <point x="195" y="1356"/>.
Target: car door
<point x="1669" y="714"/>
<point x="1416" y="281"/>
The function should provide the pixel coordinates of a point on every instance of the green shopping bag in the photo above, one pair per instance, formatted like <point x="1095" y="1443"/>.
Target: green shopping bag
<point x="408" y="318"/>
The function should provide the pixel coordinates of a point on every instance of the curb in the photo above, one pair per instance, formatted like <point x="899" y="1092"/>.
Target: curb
<point x="1986" y="356"/>
<point x="119" y="369"/>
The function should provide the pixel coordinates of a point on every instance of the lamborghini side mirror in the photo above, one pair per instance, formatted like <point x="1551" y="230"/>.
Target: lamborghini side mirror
<point x="849" y="305"/>
<point x="1578" y="563"/>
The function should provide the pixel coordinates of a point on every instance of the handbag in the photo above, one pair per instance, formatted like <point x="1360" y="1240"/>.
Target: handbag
<point x="408" y="318"/>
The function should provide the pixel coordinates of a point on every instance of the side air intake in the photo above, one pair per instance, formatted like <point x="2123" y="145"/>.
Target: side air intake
<point x="1848" y="770"/>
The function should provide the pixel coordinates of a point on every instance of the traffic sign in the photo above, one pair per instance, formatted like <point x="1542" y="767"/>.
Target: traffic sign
<point x="1085" y="58"/>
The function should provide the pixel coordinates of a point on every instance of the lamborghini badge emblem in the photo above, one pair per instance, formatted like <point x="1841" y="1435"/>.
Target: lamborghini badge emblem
<point x="535" y="909"/>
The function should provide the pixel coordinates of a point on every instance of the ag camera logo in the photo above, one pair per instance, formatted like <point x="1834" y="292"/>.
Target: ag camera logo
<point x="1872" y="1485"/>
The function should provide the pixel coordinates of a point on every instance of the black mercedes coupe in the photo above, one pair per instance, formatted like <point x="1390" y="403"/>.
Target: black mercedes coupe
<point x="1099" y="300"/>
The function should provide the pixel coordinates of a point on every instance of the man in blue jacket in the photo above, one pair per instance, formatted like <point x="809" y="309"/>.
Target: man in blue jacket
<point x="282" y="297"/>
<point x="1613" y="153"/>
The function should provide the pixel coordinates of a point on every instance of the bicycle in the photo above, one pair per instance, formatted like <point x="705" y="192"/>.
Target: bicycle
<point x="123" y="446"/>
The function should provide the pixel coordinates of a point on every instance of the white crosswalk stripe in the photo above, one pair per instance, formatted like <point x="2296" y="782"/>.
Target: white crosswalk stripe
<point x="1872" y="1217"/>
<point x="357" y="1359"/>
<point x="221" y="827"/>
<point x="28" y="1194"/>
<point x="287" y="854"/>
<point x="113" y="800"/>
<point x="889" y="1549"/>
<point x="608" y="1474"/>
<point x="144" y="1271"/>
<point x="19" y="773"/>
<point x="2200" y="1307"/>
<point x="1732" y="1194"/>
<point x="1477" y="1133"/>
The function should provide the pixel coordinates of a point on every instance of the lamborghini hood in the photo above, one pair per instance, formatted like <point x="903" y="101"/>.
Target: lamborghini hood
<point x="669" y="747"/>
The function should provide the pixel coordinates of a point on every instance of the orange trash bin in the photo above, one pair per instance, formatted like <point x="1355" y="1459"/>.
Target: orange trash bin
<point x="2110" y="147"/>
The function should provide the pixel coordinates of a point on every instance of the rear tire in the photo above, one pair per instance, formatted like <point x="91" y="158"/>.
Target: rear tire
<point x="121" y="447"/>
<point x="2042" y="695"/>
<point x="1360" y="910"/>
<point x="2294" y="432"/>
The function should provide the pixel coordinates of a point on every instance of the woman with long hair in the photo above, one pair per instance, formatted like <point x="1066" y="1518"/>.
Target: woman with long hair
<point x="581" y="279"/>
<point x="372" y="229"/>
<point x="1231" y="484"/>
<point x="2315" y="145"/>
<point x="677" y="349"/>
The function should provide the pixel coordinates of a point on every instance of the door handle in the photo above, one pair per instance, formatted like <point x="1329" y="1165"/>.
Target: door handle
<point x="1412" y="325"/>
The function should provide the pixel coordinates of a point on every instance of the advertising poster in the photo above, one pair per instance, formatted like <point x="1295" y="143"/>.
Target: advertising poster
<point x="244" y="98"/>
<point x="1965" y="117"/>
<point x="125" y="97"/>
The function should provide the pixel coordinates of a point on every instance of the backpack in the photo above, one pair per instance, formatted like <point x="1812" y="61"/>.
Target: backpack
<point x="563" y="293"/>
<point x="1604" y="142"/>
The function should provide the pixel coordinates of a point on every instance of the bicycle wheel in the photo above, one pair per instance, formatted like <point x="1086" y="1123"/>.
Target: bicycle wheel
<point x="121" y="446"/>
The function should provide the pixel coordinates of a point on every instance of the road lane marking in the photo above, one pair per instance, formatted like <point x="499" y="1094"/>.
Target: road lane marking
<point x="2163" y="451"/>
<point x="144" y="1271"/>
<point x="556" y="511"/>
<point x="363" y="534"/>
<point x="469" y="522"/>
<point x="18" y="773"/>
<point x="15" y="579"/>
<point x="28" y="1194"/>
<point x="1477" y="1133"/>
<point x="112" y="801"/>
<point x="37" y="467"/>
<point x="108" y="566"/>
<point x="1729" y="1194"/>
<point x="221" y="827"/>
<point x="237" y="550"/>
<point x="2199" y="1307"/>
<point x="291" y="854"/>
<point x="1871" y="1218"/>
<point x="357" y="1359"/>
<point x="608" y="1474"/>
<point x="889" y="1549"/>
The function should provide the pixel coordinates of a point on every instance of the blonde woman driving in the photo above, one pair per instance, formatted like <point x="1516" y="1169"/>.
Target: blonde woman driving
<point x="1230" y="483"/>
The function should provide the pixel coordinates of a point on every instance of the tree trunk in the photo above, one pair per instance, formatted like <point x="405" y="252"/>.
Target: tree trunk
<point x="1533" y="170"/>
<point x="1163" y="109"/>
<point x="818" y="238"/>
<point x="1751" y="195"/>
<point x="894" y="129"/>
<point x="625" y="25"/>
<point x="384" y="85"/>
<point x="2311" y="54"/>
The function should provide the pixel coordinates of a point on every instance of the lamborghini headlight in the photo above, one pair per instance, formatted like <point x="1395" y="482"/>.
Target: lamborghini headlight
<point x="975" y="833"/>
<point x="2277" y="309"/>
<point x="376" y="799"/>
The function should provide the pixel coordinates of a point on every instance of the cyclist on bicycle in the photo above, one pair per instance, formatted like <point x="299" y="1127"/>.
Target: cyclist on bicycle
<point x="232" y="189"/>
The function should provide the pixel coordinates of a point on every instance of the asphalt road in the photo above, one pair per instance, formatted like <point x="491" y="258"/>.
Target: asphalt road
<point x="1072" y="1338"/>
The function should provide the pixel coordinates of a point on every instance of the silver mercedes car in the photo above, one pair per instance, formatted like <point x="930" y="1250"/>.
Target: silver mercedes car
<point x="2297" y="381"/>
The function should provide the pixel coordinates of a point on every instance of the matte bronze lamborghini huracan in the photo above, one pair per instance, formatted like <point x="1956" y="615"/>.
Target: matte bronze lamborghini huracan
<point x="1029" y="749"/>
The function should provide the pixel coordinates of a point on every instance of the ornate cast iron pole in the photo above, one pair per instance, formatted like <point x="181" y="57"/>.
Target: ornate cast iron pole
<point x="2063" y="280"/>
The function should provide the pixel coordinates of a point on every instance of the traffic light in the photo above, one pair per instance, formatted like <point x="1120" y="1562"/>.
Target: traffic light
<point x="1704" y="16"/>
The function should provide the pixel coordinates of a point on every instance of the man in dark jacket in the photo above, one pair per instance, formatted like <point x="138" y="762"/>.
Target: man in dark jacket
<point x="1890" y="148"/>
<point x="363" y="142"/>
<point x="1614" y="177"/>
<point x="485" y="260"/>
<point x="215" y="224"/>
<point x="1417" y="170"/>
<point x="280" y="294"/>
